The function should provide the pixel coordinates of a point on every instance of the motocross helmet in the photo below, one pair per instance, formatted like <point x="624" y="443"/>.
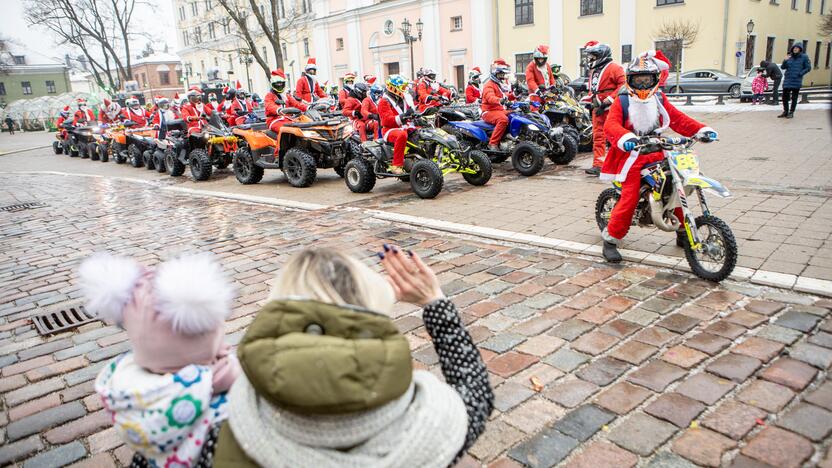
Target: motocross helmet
<point x="65" y="112"/>
<point x="278" y="81"/>
<point x="375" y="91"/>
<point x="598" y="55"/>
<point x="230" y="93"/>
<point x="212" y="97"/>
<point x="163" y="103"/>
<point x="396" y="85"/>
<point x="540" y="55"/>
<point x="642" y="78"/>
<point x="500" y="70"/>
<point x="429" y="74"/>
<point x="359" y="91"/>
<point x="82" y="103"/>
<point x="349" y="79"/>
<point x="255" y="97"/>
<point x="132" y="103"/>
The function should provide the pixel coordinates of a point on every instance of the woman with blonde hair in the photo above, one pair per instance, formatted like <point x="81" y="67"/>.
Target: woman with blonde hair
<point x="328" y="379"/>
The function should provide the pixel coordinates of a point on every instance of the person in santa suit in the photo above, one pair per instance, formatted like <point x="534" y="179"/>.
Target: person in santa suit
<point x="369" y="109"/>
<point x="235" y="107"/>
<point x="639" y="110"/>
<point x="352" y="110"/>
<point x="307" y="86"/>
<point x="134" y="112"/>
<point x="63" y="116"/>
<point x="213" y="101"/>
<point x="195" y="112"/>
<point x="277" y="98"/>
<point x="664" y="65"/>
<point x="428" y="91"/>
<point x="495" y="96"/>
<point x="176" y="105"/>
<point x="539" y="73"/>
<point x="472" y="91"/>
<point x="84" y="115"/>
<point x="605" y="79"/>
<point x="344" y="93"/>
<point x="109" y="112"/>
<point x="396" y="115"/>
<point x="163" y="115"/>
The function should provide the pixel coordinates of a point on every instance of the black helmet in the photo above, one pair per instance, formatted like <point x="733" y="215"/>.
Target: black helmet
<point x="359" y="91"/>
<point x="598" y="55"/>
<point x="230" y="93"/>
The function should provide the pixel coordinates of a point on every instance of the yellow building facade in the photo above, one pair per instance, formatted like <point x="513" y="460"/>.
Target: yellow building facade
<point x="632" y="26"/>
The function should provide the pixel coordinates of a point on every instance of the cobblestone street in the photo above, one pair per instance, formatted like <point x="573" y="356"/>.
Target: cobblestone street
<point x="593" y="365"/>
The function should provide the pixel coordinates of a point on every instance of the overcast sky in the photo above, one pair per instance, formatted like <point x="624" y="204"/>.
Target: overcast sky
<point x="156" y="19"/>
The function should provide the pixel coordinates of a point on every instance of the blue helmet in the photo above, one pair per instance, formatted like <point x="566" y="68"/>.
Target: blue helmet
<point x="375" y="91"/>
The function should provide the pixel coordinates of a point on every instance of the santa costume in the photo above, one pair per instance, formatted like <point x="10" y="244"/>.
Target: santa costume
<point x="472" y="91"/>
<point x="134" y="112"/>
<point x="395" y="113"/>
<point x="84" y="115"/>
<point x="307" y="86"/>
<point x="605" y="79"/>
<point x="109" y="113"/>
<point x="495" y="94"/>
<point x="344" y="93"/>
<point x="539" y="72"/>
<point x="353" y="110"/>
<point x="428" y="91"/>
<point x="167" y="396"/>
<point x="194" y="111"/>
<point x="277" y="98"/>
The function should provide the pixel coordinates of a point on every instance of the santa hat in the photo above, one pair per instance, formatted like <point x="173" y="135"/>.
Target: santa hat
<point x="176" y="97"/>
<point x="278" y="75"/>
<point x="194" y="91"/>
<point x="238" y="85"/>
<point x="157" y="98"/>
<point x="225" y="89"/>
<point x="349" y="75"/>
<point x="658" y="58"/>
<point x="311" y="64"/>
<point x="590" y="44"/>
<point x="106" y="102"/>
<point x="181" y="323"/>
<point x="370" y="79"/>
<point x="474" y="72"/>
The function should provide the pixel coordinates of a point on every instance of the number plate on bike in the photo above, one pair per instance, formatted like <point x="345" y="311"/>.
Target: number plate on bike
<point x="686" y="161"/>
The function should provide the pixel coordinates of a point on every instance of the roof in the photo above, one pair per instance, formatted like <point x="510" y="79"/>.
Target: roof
<point x="160" y="57"/>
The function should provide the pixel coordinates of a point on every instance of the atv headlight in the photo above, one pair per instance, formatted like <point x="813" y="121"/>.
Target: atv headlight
<point x="348" y="129"/>
<point x="310" y="134"/>
<point x="534" y="128"/>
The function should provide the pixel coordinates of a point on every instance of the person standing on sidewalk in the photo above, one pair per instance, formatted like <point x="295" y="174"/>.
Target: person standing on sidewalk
<point x="10" y="124"/>
<point x="796" y="65"/>
<point x="773" y="71"/>
<point x="605" y="79"/>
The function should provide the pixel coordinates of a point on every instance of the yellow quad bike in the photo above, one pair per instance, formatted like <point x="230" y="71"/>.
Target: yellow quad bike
<point x="562" y="109"/>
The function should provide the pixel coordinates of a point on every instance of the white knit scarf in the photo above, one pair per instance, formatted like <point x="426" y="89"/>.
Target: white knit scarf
<point x="425" y="427"/>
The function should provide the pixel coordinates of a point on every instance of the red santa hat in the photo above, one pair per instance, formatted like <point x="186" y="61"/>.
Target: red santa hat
<point x="658" y="58"/>
<point x="194" y="91"/>
<point x="106" y="102"/>
<point x="225" y="89"/>
<point x="279" y="72"/>
<point x="176" y="97"/>
<point x="311" y="64"/>
<point x="370" y="79"/>
<point x="590" y="44"/>
<point x="238" y="85"/>
<point x="542" y="51"/>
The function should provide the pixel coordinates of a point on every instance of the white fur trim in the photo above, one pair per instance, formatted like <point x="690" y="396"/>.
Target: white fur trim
<point x="193" y="293"/>
<point x="609" y="99"/>
<point x="606" y="176"/>
<point x="398" y="120"/>
<point x="624" y="139"/>
<point x="622" y="175"/>
<point x="664" y="117"/>
<point x="704" y="130"/>
<point x="107" y="283"/>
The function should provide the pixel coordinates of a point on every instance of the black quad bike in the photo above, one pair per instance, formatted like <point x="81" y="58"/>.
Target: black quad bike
<point x="562" y="109"/>
<point x="171" y="136"/>
<point x="430" y="154"/>
<point x="213" y="146"/>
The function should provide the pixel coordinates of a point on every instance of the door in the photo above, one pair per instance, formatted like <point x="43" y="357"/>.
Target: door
<point x="459" y="72"/>
<point x="391" y="68"/>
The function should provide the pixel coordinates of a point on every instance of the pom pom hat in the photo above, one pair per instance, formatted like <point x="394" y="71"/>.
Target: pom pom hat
<point x="181" y="324"/>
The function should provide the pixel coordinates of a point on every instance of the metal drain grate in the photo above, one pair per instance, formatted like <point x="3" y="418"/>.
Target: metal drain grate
<point x="758" y="158"/>
<point x="65" y="318"/>
<point x="22" y="206"/>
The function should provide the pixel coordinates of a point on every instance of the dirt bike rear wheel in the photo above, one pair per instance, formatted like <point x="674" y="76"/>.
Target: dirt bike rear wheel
<point x="719" y="245"/>
<point x="604" y="205"/>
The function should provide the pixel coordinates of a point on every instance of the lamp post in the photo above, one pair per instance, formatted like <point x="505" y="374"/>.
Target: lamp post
<point x="247" y="59"/>
<point x="749" y="28"/>
<point x="405" y="29"/>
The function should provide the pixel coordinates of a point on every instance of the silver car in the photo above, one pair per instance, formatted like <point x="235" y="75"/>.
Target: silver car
<point x="746" y="85"/>
<point x="704" y="81"/>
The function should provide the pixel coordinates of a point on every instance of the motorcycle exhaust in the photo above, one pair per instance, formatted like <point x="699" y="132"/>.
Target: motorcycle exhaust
<point x="657" y="216"/>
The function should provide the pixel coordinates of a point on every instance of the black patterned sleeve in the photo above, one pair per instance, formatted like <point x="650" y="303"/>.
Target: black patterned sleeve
<point x="461" y="365"/>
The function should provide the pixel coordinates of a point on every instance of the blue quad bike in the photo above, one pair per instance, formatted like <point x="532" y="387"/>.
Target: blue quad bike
<point x="528" y="141"/>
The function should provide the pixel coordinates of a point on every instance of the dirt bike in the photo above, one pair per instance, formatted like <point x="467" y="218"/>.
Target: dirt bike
<point x="560" y="106"/>
<point x="710" y="247"/>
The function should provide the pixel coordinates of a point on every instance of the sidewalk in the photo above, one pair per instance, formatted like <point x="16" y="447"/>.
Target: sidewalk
<point x="593" y="364"/>
<point x="24" y="141"/>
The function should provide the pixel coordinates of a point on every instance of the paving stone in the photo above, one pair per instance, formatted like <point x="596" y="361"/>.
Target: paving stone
<point x="734" y="366"/>
<point x="822" y="396"/>
<point x="746" y="319"/>
<point x="798" y="321"/>
<point x="779" y="448"/>
<point x="87" y="425"/>
<point x="546" y="449"/>
<point x="23" y="366"/>
<point x="622" y="398"/>
<point x="10" y="452"/>
<point x="510" y="394"/>
<point x="31" y="407"/>
<point x="725" y="329"/>
<point x="702" y="446"/>
<point x="33" y="391"/>
<point x="105" y="440"/>
<point x="44" y="349"/>
<point x="822" y="339"/>
<point x="815" y="355"/>
<point x="741" y="461"/>
<point x="571" y="329"/>
<point x="669" y="460"/>
<point x="542" y="301"/>
<point x="510" y="363"/>
<point x="619" y="328"/>
<point x="707" y="343"/>
<point x="101" y="460"/>
<point x="57" y="456"/>
<point x="675" y="408"/>
<point x="679" y="323"/>
<point x="82" y="375"/>
<point x="541" y="345"/>
<point x="810" y="421"/>
<point x="655" y="336"/>
<point x="535" y="326"/>
<point x="95" y="334"/>
<point x="597" y="315"/>
<point x="603" y="455"/>
<point x="498" y="437"/>
<point x="76" y="350"/>
<point x="633" y="352"/>
<point x="603" y="371"/>
<point x="594" y="343"/>
<point x="494" y="287"/>
<point x="44" y="420"/>
<point x="759" y="348"/>
<point x="566" y="359"/>
<point x="639" y="316"/>
<point x="790" y="372"/>
<point x="767" y="395"/>
<point x="656" y="375"/>
<point x="638" y="292"/>
<point x="533" y="415"/>
<point x="659" y="305"/>
<point x="683" y="356"/>
<point x="641" y="433"/>
<point x="733" y="419"/>
<point x="705" y="388"/>
<point x="703" y="314"/>
<point x="764" y="307"/>
<point x="570" y="393"/>
<point x="786" y="336"/>
<point x="582" y="422"/>
<point x="502" y="342"/>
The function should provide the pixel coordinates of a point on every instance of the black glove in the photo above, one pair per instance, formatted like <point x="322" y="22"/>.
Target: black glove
<point x="374" y="117"/>
<point x="408" y="114"/>
<point x="240" y="112"/>
<point x="596" y="103"/>
<point x="356" y="113"/>
<point x="431" y="98"/>
<point x="504" y="101"/>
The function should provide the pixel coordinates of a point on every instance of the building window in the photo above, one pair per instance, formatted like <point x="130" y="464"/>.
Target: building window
<point x="592" y="7"/>
<point x="794" y="4"/>
<point x="339" y="43"/>
<point x="164" y="77"/>
<point x="749" y="51"/>
<point x="194" y="9"/>
<point x="27" y="87"/>
<point x="817" y="55"/>
<point x="212" y="33"/>
<point x="774" y="2"/>
<point x="304" y="5"/>
<point x="226" y="26"/>
<point x="182" y="12"/>
<point x="769" y="48"/>
<point x="19" y="59"/>
<point x="198" y="34"/>
<point x="50" y="85"/>
<point x="828" y="53"/>
<point x="668" y="2"/>
<point x="521" y="61"/>
<point x="523" y="12"/>
<point x="806" y="46"/>
<point x="3" y="85"/>
<point x="186" y="39"/>
<point x="822" y="7"/>
<point x="216" y="61"/>
<point x="672" y="49"/>
<point x="789" y="46"/>
<point x="144" y="80"/>
<point x="281" y="12"/>
<point x="456" y="23"/>
<point x="306" y="47"/>
<point x="626" y="53"/>
<point x="209" y="4"/>
<point x="808" y="6"/>
<point x="265" y="54"/>
<point x="284" y="51"/>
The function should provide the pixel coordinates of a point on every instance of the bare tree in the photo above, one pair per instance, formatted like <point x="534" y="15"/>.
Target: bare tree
<point x="682" y="34"/>
<point x="100" y="29"/>
<point x="826" y="25"/>
<point x="6" y="57"/>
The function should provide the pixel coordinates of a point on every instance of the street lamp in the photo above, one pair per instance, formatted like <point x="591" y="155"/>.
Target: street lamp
<point x="750" y="27"/>
<point x="247" y="59"/>
<point x="405" y="29"/>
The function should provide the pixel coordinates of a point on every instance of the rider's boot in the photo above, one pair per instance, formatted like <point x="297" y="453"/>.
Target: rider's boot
<point x="610" y="249"/>
<point x="681" y="238"/>
<point x="493" y="147"/>
<point x="594" y="170"/>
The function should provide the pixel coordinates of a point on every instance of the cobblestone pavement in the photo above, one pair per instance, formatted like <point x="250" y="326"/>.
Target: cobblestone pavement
<point x="779" y="173"/>
<point x="593" y="365"/>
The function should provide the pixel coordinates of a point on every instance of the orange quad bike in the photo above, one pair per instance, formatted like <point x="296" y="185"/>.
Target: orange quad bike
<point x="308" y="142"/>
<point x="129" y="143"/>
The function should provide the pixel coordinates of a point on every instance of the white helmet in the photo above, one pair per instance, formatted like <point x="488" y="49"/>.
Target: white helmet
<point x="429" y="74"/>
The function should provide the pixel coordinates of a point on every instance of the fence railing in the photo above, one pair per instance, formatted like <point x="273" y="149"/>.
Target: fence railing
<point x="806" y="96"/>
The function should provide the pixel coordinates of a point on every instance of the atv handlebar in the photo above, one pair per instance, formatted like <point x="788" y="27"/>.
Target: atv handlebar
<point x="652" y="142"/>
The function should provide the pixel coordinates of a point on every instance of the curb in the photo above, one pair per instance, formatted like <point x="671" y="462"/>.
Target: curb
<point x="761" y="277"/>
<point x="24" y="150"/>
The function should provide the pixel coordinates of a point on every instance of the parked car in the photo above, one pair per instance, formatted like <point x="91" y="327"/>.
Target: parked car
<point x="704" y="81"/>
<point x="745" y="90"/>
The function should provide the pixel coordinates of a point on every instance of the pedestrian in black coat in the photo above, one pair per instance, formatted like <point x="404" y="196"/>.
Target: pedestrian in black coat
<point x="795" y="66"/>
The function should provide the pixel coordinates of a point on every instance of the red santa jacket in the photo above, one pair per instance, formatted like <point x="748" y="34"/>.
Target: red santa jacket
<point x="492" y="94"/>
<point x="425" y="90"/>
<point x="472" y="93"/>
<point x="618" y="130"/>
<point x="83" y="117"/>
<point x="157" y="116"/>
<point x="139" y="116"/>
<point x="535" y="79"/>
<point x="352" y="108"/>
<point x="343" y="94"/>
<point x="103" y="118"/>
<point x="305" y="86"/>
<point x="368" y="107"/>
<point x="274" y="102"/>
<point x="193" y="114"/>
<point x="604" y="83"/>
<point x="231" y="110"/>
<point x="389" y="111"/>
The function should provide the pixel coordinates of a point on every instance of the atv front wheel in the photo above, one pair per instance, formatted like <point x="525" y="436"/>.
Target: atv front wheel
<point x="244" y="168"/>
<point x="604" y="205"/>
<point x="159" y="161"/>
<point x="480" y="163"/>
<point x="527" y="158"/>
<point x="135" y="154"/>
<point x="173" y="164"/>
<point x="299" y="167"/>
<point x="570" y="149"/>
<point x="426" y="179"/>
<point x="717" y="256"/>
<point x="359" y="175"/>
<point x="82" y="150"/>
<point x="118" y="153"/>
<point x="92" y="150"/>
<point x="103" y="152"/>
<point x="56" y="147"/>
<point x="147" y="157"/>
<point x="73" y="152"/>
<point x="201" y="167"/>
